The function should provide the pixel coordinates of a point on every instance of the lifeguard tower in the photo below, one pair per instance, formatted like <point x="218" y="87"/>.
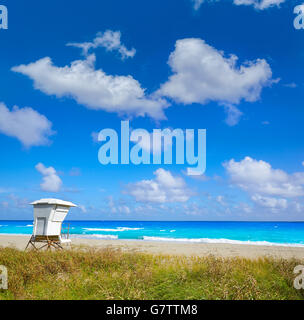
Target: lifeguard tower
<point x="49" y="215"/>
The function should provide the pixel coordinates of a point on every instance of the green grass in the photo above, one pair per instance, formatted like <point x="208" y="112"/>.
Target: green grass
<point x="112" y="274"/>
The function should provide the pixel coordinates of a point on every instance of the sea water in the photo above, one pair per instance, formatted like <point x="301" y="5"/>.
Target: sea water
<point x="259" y="233"/>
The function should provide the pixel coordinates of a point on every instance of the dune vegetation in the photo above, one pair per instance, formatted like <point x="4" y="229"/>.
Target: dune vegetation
<point x="86" y="273"/>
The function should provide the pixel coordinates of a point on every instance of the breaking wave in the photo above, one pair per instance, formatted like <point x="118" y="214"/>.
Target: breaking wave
<point x="228" y="241"/>
<point x="97" y="236"/>
<point x="119" y="229"/>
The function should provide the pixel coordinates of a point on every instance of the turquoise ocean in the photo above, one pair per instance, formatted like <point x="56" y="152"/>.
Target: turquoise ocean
<point x="259" y="233"/>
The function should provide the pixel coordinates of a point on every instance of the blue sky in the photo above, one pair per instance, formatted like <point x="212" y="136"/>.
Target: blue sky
<point x="252" y="107"/>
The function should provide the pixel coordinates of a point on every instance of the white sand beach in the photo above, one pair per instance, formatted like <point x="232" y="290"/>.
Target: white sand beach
<point x="173" y="248"/>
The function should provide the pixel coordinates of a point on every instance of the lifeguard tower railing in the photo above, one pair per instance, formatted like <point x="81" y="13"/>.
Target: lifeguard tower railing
<point x="65" y="231"/>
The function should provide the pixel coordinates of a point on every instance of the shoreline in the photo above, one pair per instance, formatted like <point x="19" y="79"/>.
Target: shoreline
<point x="224" y="250"/>
<point x="104" y="237"/>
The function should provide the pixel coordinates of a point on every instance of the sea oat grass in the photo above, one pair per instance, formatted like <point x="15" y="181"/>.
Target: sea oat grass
<point x="87" y="273"/>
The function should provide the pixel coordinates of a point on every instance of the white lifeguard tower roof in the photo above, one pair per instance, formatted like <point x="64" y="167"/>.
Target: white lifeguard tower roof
<point x="54" y="201"/>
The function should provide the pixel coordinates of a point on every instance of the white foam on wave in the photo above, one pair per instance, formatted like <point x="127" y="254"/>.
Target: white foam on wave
<point x="228" y="241"/>
<point x="28" y="225"/>
<point x="119" y="229"/>
<point x="97" y="236"/>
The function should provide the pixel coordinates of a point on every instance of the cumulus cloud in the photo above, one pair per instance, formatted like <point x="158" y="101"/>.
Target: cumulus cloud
<point x="118" y="207"/>
<point x="110" y="40"/>
<point x="93" y="88"/>
<point x="123" y="209"/>
<point x="27" y="125"/>
<point x="269" y="202"/>
<point x="164" y="188"/>
<point x="202" y="74"/>
<point x="258" y="177"/>
<point x="259" y="4"/>
<point x="50" y="181"/>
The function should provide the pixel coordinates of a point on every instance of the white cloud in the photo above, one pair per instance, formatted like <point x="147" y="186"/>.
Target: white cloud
<point x="50" y="181"/>
<point x="110" y="40"/>
<point x="124" y="209"/>
<point x="202" y="74"/>
<point x="244" y="207"/>
<point x="298" y="207"/>
<point x="27" y="125"/>
<point x="269" y="202"/>
<point x="163" y="188"/>
<point x="290" y="85"/>
<point x="221" y="200"/>
<point x="158" y="145"/>
<point x="93" y="88"/>
<point x="197" y="4"/>
<point x="259" y="4"/>
<point x="233" y="115"/>
<point x="259" y="177"/>
<point x="147" y="144"/>
<point x="117" y="208"/>
<point x="17" y="202"/>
